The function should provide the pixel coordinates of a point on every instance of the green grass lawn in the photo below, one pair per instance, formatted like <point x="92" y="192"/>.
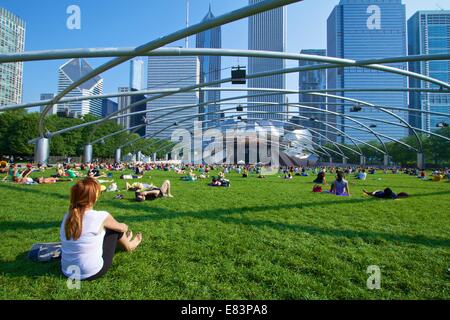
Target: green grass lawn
<point x="259" y="239"/>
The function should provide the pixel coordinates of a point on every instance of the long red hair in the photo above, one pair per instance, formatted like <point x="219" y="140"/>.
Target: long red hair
<point x="83" y="195"/>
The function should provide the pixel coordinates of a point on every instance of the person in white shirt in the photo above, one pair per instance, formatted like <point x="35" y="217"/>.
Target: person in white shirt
<point x="89" y="238"/>
<point x="362" y="175"/>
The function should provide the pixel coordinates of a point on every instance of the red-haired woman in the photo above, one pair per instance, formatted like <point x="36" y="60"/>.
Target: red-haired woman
<point x="89" y="237"/>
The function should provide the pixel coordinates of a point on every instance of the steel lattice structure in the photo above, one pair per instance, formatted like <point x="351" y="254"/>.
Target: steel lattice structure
<point x="154" y="48"/>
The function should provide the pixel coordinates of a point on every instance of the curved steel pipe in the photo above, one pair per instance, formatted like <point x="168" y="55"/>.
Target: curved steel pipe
<point x="178" y="35"/>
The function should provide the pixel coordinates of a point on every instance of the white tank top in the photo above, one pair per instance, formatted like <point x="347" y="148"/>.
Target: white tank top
<point x="86" y="253"/>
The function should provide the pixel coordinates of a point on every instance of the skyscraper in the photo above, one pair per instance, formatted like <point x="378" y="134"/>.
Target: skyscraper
<point x="172" y="72"/>
<point x="69" y="73"/>
<point x="12" y="40"/>
<point x="136" y="74"/>
<point x="108" y="106"/>
<point x="267" y="31"/>
<point x="49" y="96"/>
<point x="367" y="29"/>
<point x="313" y="80"/>
<point x="210" y="69"/>
<point x="132" y="121"/>
<point x="429" y="33"/>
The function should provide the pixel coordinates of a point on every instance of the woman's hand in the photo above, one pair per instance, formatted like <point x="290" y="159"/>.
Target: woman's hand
<point x="112" y="224"/>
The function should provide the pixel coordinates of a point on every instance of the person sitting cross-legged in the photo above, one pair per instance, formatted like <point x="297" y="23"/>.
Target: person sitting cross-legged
<point x="89" y="238"/>
<point x="340" y="186"/>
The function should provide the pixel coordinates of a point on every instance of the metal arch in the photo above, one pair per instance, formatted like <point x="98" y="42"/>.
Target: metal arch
<point x="324" y="136"/>
<point x="181" y="34"/>
<point x="419" y="140"/>
<point x="315" y="152"/>
<point x="184" y="118"/>
<point x="281" y="91"/>
<point x="187" y="118"/>
<point x="212" y="102"/>
<point x="326" y="111"/>
<point x="60" y="54"/>
<point x="191" y="106"/>
<point x="235" y="98"/>
<point x="332" y="61"/>
<point x="291" y="70"/>
<point x="132" y="130"/>
<point x="323" y="148"/>
<point x="335" y="113"/>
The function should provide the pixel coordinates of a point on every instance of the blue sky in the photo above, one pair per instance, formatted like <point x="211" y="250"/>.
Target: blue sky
<point x="127" y="23"/>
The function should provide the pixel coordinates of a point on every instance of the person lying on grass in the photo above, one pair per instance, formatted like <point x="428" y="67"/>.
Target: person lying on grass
<point x="154" y="193"/>
<point x="386" y="194"/>
<point x="89" y="237"/>
<point x="138" y="186"/>
<point x="50" y="180"/>
<point x="24" y="177"/>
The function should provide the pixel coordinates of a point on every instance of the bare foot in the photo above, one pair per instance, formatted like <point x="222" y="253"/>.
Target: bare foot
<point x="136" y="242"/>
<point x="129" y="235"/>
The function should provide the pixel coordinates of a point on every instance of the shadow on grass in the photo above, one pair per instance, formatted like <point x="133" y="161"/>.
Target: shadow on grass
<point x="24" y="267"/>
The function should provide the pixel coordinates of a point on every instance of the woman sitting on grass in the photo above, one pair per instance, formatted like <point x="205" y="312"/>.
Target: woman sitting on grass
<point x="321" y="178"/>
<point x="154" y="193"/>
<point x="340" y="186"/>
<point x="89" y="237"/>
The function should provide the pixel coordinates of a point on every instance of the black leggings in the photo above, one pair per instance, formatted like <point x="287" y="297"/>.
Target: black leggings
<point x="109" y="249"/>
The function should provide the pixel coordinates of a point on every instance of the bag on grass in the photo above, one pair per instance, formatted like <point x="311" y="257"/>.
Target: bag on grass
<point x="317" y="189"/>
<point x="45" y="252"/>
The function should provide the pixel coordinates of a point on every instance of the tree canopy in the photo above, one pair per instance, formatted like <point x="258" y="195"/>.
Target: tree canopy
<point x="19" y="127"/>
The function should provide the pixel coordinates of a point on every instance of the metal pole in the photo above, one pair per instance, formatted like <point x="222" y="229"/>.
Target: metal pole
<point x="118" y="155"/>
<point x="420" y="161"/>
<point x="88" y="153"/>
<point x="42" y="151"/>
<point x="362" y="161"/>
<point x="386" y="160"/>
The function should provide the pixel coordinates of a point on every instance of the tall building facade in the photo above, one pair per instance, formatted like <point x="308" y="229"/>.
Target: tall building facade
<point x="69" y="73"/>
<point x="135" y="120"/>
<point x="267" y="31"/>
<point x="313" y="80"/>
<point x="49" y="96"/>
<point x="210" y="70"/>
<point x="172" y="72"/>
<point x="12" y="40"/>
<point x="368" y="29"/>
<point x="429" y="33"/>
<point x="108" y="106"/>
<point x="137" y="74"/>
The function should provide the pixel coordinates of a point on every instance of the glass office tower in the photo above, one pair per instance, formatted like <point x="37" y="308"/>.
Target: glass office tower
<point x="368" y="29"/>
<point x="429" y="33"/>
<point x="210" y="70"/>
<point x="12" y="40"/>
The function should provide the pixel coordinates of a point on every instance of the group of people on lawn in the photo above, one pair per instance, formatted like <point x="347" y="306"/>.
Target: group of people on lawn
<point x="89" y="237"/>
